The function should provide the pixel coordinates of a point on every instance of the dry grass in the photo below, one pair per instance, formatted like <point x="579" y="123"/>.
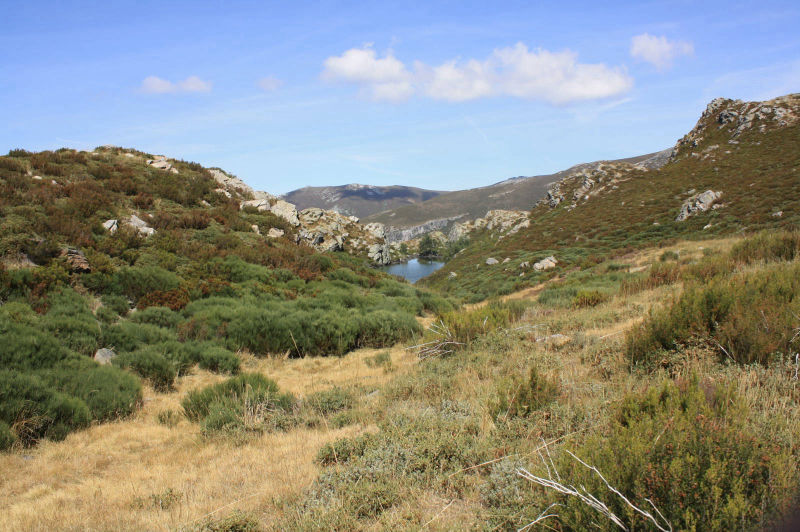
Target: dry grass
<point x="94" y="479"/>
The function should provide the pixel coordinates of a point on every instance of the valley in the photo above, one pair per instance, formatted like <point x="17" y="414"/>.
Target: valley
<point x="614" y="345"/>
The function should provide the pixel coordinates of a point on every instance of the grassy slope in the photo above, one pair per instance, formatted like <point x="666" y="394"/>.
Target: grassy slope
<point x="758" y="178"/>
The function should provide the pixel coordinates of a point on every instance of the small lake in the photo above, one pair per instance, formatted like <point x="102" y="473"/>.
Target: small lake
<point x="413" y="270"/>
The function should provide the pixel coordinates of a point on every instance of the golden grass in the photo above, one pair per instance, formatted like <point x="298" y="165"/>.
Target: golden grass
<point x="97" y="479"/>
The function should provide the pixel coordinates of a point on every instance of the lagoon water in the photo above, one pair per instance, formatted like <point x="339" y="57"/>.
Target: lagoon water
<point x="413" y="270"/>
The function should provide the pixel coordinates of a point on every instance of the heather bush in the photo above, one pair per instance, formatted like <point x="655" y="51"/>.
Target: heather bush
<point x="683" y="446"/>
<point x="748" y="317"/>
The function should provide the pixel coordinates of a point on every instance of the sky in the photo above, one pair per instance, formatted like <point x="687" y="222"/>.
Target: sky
<point x="438" y="95"/>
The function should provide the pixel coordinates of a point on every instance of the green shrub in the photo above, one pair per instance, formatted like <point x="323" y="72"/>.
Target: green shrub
<point x="466" y="327"/>
<point x="118" y="304"/>
<point x="343" y="450"/>
<point x="26" y="348"/>
<point x="136" y="282"/>
<point x="7" y="438"/>
<point x="330" y="401"/>
<point x="108" y="391"/>
<point x="668" y="255"/>
<point x="249" y="402"/>
<point x="160" y="316"/>
<point x="747" y="317"/>
<point x="384" y="358"/>
<point x="236" y="522"/>
<point x="684" y="447"/>
<point x="519" y="397"/>
<point x="169" y="418"/>
<point x="34" y="410"/>
<point x="151" y="365"/>
<point x="129" y="336"/>
<point x="219" y="360"/>
<point x="768" y="246"/>
<point x="589" y="298"/>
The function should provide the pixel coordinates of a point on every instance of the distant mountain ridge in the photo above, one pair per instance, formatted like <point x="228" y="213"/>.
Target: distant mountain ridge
<point x="515" y="194"/>
<point x="359" y="200"/>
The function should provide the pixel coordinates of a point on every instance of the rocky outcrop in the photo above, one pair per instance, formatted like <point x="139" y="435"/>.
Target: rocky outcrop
<point x="232" y="184"/>
<point x="104" y="356"/>
<point x="499" y="222"/>
<point x="736" y="117"/>
<point x="403" y="235"/>
<point x="287" y="211"/>
<point x="546" y="263"/>
<point x="698" y="203"/>
<point x="161" y="162"/>
<point x="554" y="195"/>
<point x="111" y="226"/>
<point x="76" y="260"/>
<point x="380" y="254"/>
<point x="491" y="261"/>
<point x="275" y="233"/>
<point x="140" y="225"/>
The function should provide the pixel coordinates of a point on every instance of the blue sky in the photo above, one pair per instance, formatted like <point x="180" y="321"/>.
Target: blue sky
<point x="445" y="95"/>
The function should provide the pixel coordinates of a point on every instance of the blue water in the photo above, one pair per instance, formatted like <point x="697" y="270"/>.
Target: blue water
<point x="413" y="270"/>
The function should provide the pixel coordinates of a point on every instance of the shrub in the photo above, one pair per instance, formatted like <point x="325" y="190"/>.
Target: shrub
<point x="34" y="410"/>
<point x="343" y="450"/>
<point x="236" y="522"/>
<point x="218" y="360"/>
<point x="169" y="418"/>
<point x="330" y="401"/>
<point x="668" y="255"/>
<point x="383" y="358"/>
<point x="518" y="397"/>
<point x="748" y="317"/>
<point x="129" y="336"/>
<point x="151" y="365"/>
<point x="247" y="402"/>
<point x="26" y="348"/>
<point x="118" y="304"/>
<point x="136" y="282"/>
<point x="684" y="447"/>
<point x="159" y="316"/>
<point x="108" y="391"/>
<point x="589" y="298"/>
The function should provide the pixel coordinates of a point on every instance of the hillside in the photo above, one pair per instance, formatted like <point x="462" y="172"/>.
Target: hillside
<point x="117" y="266"/>
<point x="359" y="200"/>
<point x="746" y="153"/>
<point x="519" y="193"/>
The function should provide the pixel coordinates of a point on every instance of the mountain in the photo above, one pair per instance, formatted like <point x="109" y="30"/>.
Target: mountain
<point x="359" y="200"/>
<point x="518" y="193"/>
<point x="735" y="171"/>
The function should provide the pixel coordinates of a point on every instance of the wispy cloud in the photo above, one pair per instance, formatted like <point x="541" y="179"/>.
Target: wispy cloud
<point x="156" y="85"/>
<point x="553" y="77"/>
<point x="659" y="51"/>
<point x="269" y="84"/>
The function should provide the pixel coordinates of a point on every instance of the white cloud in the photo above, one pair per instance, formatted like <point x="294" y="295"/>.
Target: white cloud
<point x="382" y="78"/>
<point x="269" y="84"/>
<point x="659" y="51"/>
<point x="554" y="77"/>
<point x="156" y="85"/>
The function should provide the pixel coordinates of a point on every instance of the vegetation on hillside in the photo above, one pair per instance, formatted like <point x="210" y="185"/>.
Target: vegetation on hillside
<point x="756" y="173"/>
<point x="204" y="286"/>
